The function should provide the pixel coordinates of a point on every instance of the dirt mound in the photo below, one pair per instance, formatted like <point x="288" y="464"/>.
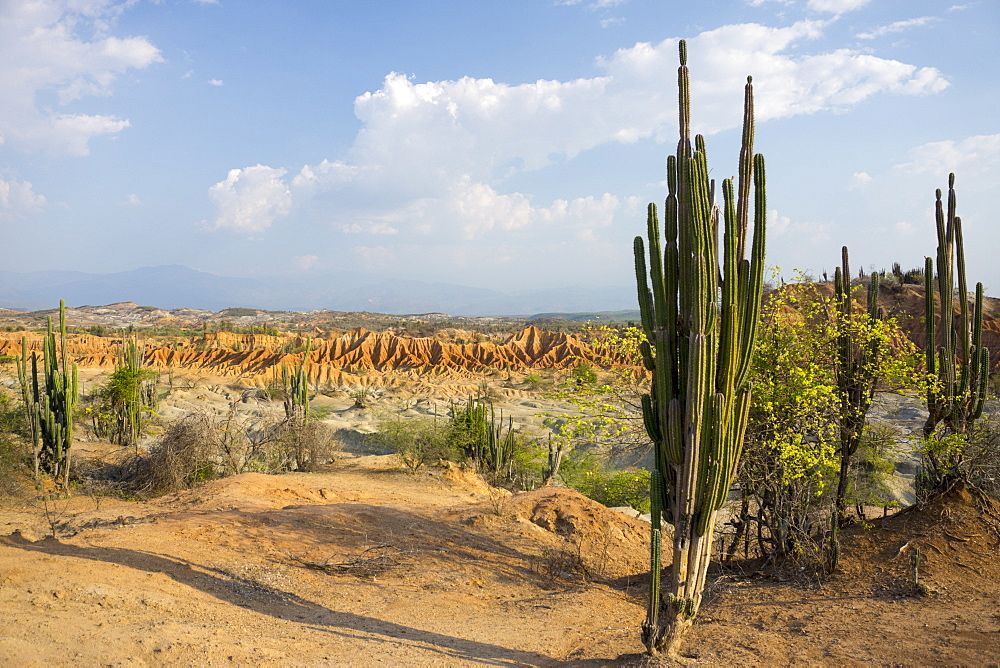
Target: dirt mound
<point x="606" y="542"/>
<point x="955" y="538"/>
<point x="871" y="611"/>
<point x="367" y="564"/>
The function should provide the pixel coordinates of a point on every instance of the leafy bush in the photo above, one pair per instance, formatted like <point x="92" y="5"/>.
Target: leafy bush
<point x="973" y="459"/>
<point x="15" y="455"/>
<point x="418" y="441"/>
<point x="629" y="487"/>
<point x="584" y="374"/>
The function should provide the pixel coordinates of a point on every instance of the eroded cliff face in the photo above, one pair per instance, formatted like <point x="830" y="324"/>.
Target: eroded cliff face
<point x="358" y="351"/>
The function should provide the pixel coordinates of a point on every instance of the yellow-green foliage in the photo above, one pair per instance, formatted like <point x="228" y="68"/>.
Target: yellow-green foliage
<point x="792" y="461"/>
<point x="796" y="409"/>
<point x="606" y="406"/>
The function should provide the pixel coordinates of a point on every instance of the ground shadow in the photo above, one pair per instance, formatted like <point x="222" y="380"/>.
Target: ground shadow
<point x="285" y="605"/>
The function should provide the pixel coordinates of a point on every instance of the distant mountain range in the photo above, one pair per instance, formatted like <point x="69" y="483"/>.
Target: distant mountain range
<point x="175" y="286"/>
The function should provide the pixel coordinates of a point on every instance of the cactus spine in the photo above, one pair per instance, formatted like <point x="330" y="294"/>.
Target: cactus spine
<point x="957" y="360"/>
<point x="700" y="319"/>
<point x="859" y="350"/>
<point x="50" y="404"/>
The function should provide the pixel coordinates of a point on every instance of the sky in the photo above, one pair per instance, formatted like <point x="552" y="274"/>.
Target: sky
<point x="507" y="145"/>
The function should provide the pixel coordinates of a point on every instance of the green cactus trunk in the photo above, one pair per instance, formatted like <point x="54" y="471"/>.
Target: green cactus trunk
<point x="50" y="405"/>
<point x="296" y="385"/>
<point x="857" y="375"/>
<point x="957" y="360"/>
<point x="700" y="318"/>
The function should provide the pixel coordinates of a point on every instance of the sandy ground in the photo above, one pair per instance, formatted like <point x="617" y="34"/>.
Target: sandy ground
<point x="367" y="565"/>
<point x="364" y="564"/>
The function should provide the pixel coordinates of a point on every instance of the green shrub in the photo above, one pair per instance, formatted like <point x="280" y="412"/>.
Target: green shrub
<point x="15" y="455"/>
<point x="629" y="487"/>
<point x="584" y="374"/>
<point x="418" y="441"/>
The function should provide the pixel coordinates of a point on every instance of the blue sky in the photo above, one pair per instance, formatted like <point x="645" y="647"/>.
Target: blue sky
<point x="505" y="145"/>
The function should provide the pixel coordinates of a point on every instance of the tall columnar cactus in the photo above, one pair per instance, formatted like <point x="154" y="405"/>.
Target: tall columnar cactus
<point x="128" y="397"/>
<point x="956" y="356"/>
<point x="859" y="350"/>
<point x="296" y="384"/>
<point x="50" y="404"/>
<point x="700" y="318"/>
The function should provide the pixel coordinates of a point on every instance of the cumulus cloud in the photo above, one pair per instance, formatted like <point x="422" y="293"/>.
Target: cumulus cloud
<point x="132" y="200"/>
<point x="808" y="232"/>
<point x="490" y="130"/>
<point x="18" y="199"/>
<point x="860" y="180"/>
<point x="215" y="82"/>
<point x="428" y="176"/>
<point x="836" y="6"/>
<point x="250" y="199"/>
<point x="896" y="27"/>
<point x="975" y="157"/>
<point x="57" y="50"/>
<point x="305" y="262"/>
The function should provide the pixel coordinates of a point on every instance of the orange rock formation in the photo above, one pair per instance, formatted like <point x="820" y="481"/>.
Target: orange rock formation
<point x="357" y="351"/>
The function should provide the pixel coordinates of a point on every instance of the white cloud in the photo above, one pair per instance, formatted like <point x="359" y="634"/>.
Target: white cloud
<point x="612" y="21"/>
<point x="250" y="199"/>
<point x="18" y="199"/>
<point x="903" y="228"/>
<point x="369" y="227"/>
<point x="898" y="26"/>
<point x="374" y="257"/>
<point x="860" y="180"/>
<point x="305" y="262"/>
<point x="325" y="175"/>
<point x="215" y="82"/>
<point x="976" y="159"/>
<point x="132" y="200"/>
<point x="489" y="130"/>
<point x="45" y="54"/>
<point x="430" y="168"/>
<point x="836" y="6"/>
<point x="783" y="226"/>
